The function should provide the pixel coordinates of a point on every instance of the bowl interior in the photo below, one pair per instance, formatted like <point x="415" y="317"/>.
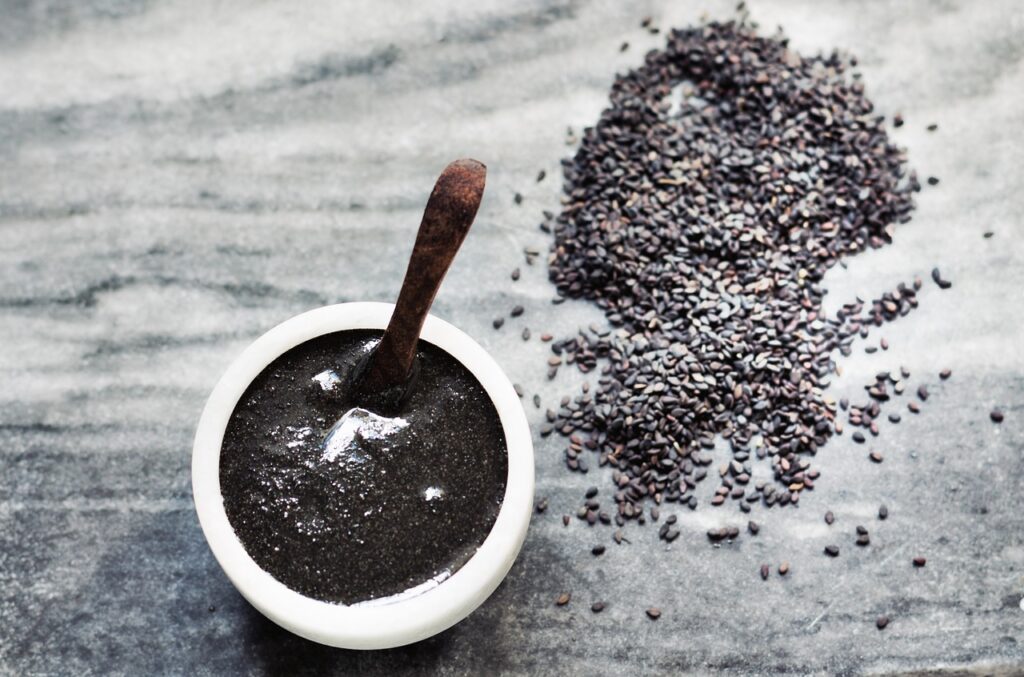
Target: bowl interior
<point x="380" y="625"/>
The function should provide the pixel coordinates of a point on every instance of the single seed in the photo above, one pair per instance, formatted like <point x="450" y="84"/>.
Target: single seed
<point x="945" y="373"/>
<point x="597" y="550"/>
<point x="542" y="505"/>
<point x="597" y="607"/>
<point x="563" y="599"/>
<point x="876" y="457"/>
<point x="883" y="512"/>
<point x="654" y="613"/>
<point x="765" y="572"/>
<point x="937" y="278"/>
<point x="540" y="175"/>
<point x="498" y="321"/>
<point x="881" y="622"/>
<point x="526" y="333"/>
<point x="516" y="311"/>
<point x="518" y="198"/>
<point x="784" y="568"/>
<point x="519" y="389"/>
<point x="753" y="527"/>
<point x="920" y="561"/>
<point x="829" y="517"/>
<point x="515" y="274"/>
<point x="832" y="550"/>
<point x="996" y="415"/>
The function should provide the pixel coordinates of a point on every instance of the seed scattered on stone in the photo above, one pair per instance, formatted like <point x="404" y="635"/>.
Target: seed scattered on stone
<point x="987" y="234"/>
<point x="716" y="321"/>
<point x="526" y="334"/>
<point x="540" y="175"/>
<point x="591" y="492"/>
<point x="945" y="373"/>
<point x="881" y="622"/>
<point x="863" y="540"/>
<point x="624" y="46"/>
<point x="519" y="389"/>
<point x="516" y="311"/>
<point x="932" y="127"/>
<point x="765" y="572"/>
<point x="922" y="393"/>
<point x="883" y="512"/>
<point x="914" y="407"/>
<point x="920" y="561"/>
<point x="829" y="517"/>
<point x="876" y="457"/>
<point x="563" y="599"/>
<point x="518" y="198"/>
<point x="597" y="607"/>
<point x="784" y="568"/>
<point x="565" y="520"/>
<point x="753" y="527"/>
<point x="597" y="550"/>
<point x="654" y="613"/>
<point x="996" y="415"/>
<point x="832" y="550"/>
<point x="536" y="401"/>
<point x="542" y="505"/>
<point x="546" y="337"/>
<point x="515" y="274"/>
<point x="897" y="120"/>
<point x="933" y="180"/>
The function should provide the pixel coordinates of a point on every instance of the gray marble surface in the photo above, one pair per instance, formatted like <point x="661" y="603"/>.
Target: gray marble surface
<point x="177" y="177"/>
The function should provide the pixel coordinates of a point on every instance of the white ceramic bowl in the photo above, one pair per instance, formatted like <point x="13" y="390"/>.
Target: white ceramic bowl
<point x="371" y="626"/>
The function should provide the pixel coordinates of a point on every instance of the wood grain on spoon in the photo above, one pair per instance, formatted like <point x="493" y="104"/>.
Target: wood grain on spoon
<point x="446" y="220"/>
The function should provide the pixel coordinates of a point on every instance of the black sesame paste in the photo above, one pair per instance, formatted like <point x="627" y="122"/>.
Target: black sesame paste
<point x="344" y="504"/>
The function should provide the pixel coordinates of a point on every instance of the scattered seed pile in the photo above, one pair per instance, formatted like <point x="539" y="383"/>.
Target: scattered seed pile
<point x="702" y="211"/>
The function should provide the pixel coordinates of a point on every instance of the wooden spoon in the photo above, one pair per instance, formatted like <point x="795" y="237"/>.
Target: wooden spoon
<point x="446" y="220"/>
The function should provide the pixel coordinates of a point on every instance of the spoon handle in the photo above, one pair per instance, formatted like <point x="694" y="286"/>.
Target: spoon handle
<point x="446" y="220"/>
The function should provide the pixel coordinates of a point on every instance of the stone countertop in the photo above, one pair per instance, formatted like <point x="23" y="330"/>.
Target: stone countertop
<point x="177" y="177"/>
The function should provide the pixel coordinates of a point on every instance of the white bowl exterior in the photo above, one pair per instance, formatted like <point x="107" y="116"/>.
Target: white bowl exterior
<point x="371" y="626"/>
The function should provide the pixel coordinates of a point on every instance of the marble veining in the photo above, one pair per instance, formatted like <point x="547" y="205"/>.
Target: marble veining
<point x="178" y="177"/>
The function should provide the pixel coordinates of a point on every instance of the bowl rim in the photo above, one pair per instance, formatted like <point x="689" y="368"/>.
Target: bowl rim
<point x="369" y="626"/>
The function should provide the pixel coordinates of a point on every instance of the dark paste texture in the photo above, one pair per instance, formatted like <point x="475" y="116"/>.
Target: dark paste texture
<point x="390" y="504"/>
